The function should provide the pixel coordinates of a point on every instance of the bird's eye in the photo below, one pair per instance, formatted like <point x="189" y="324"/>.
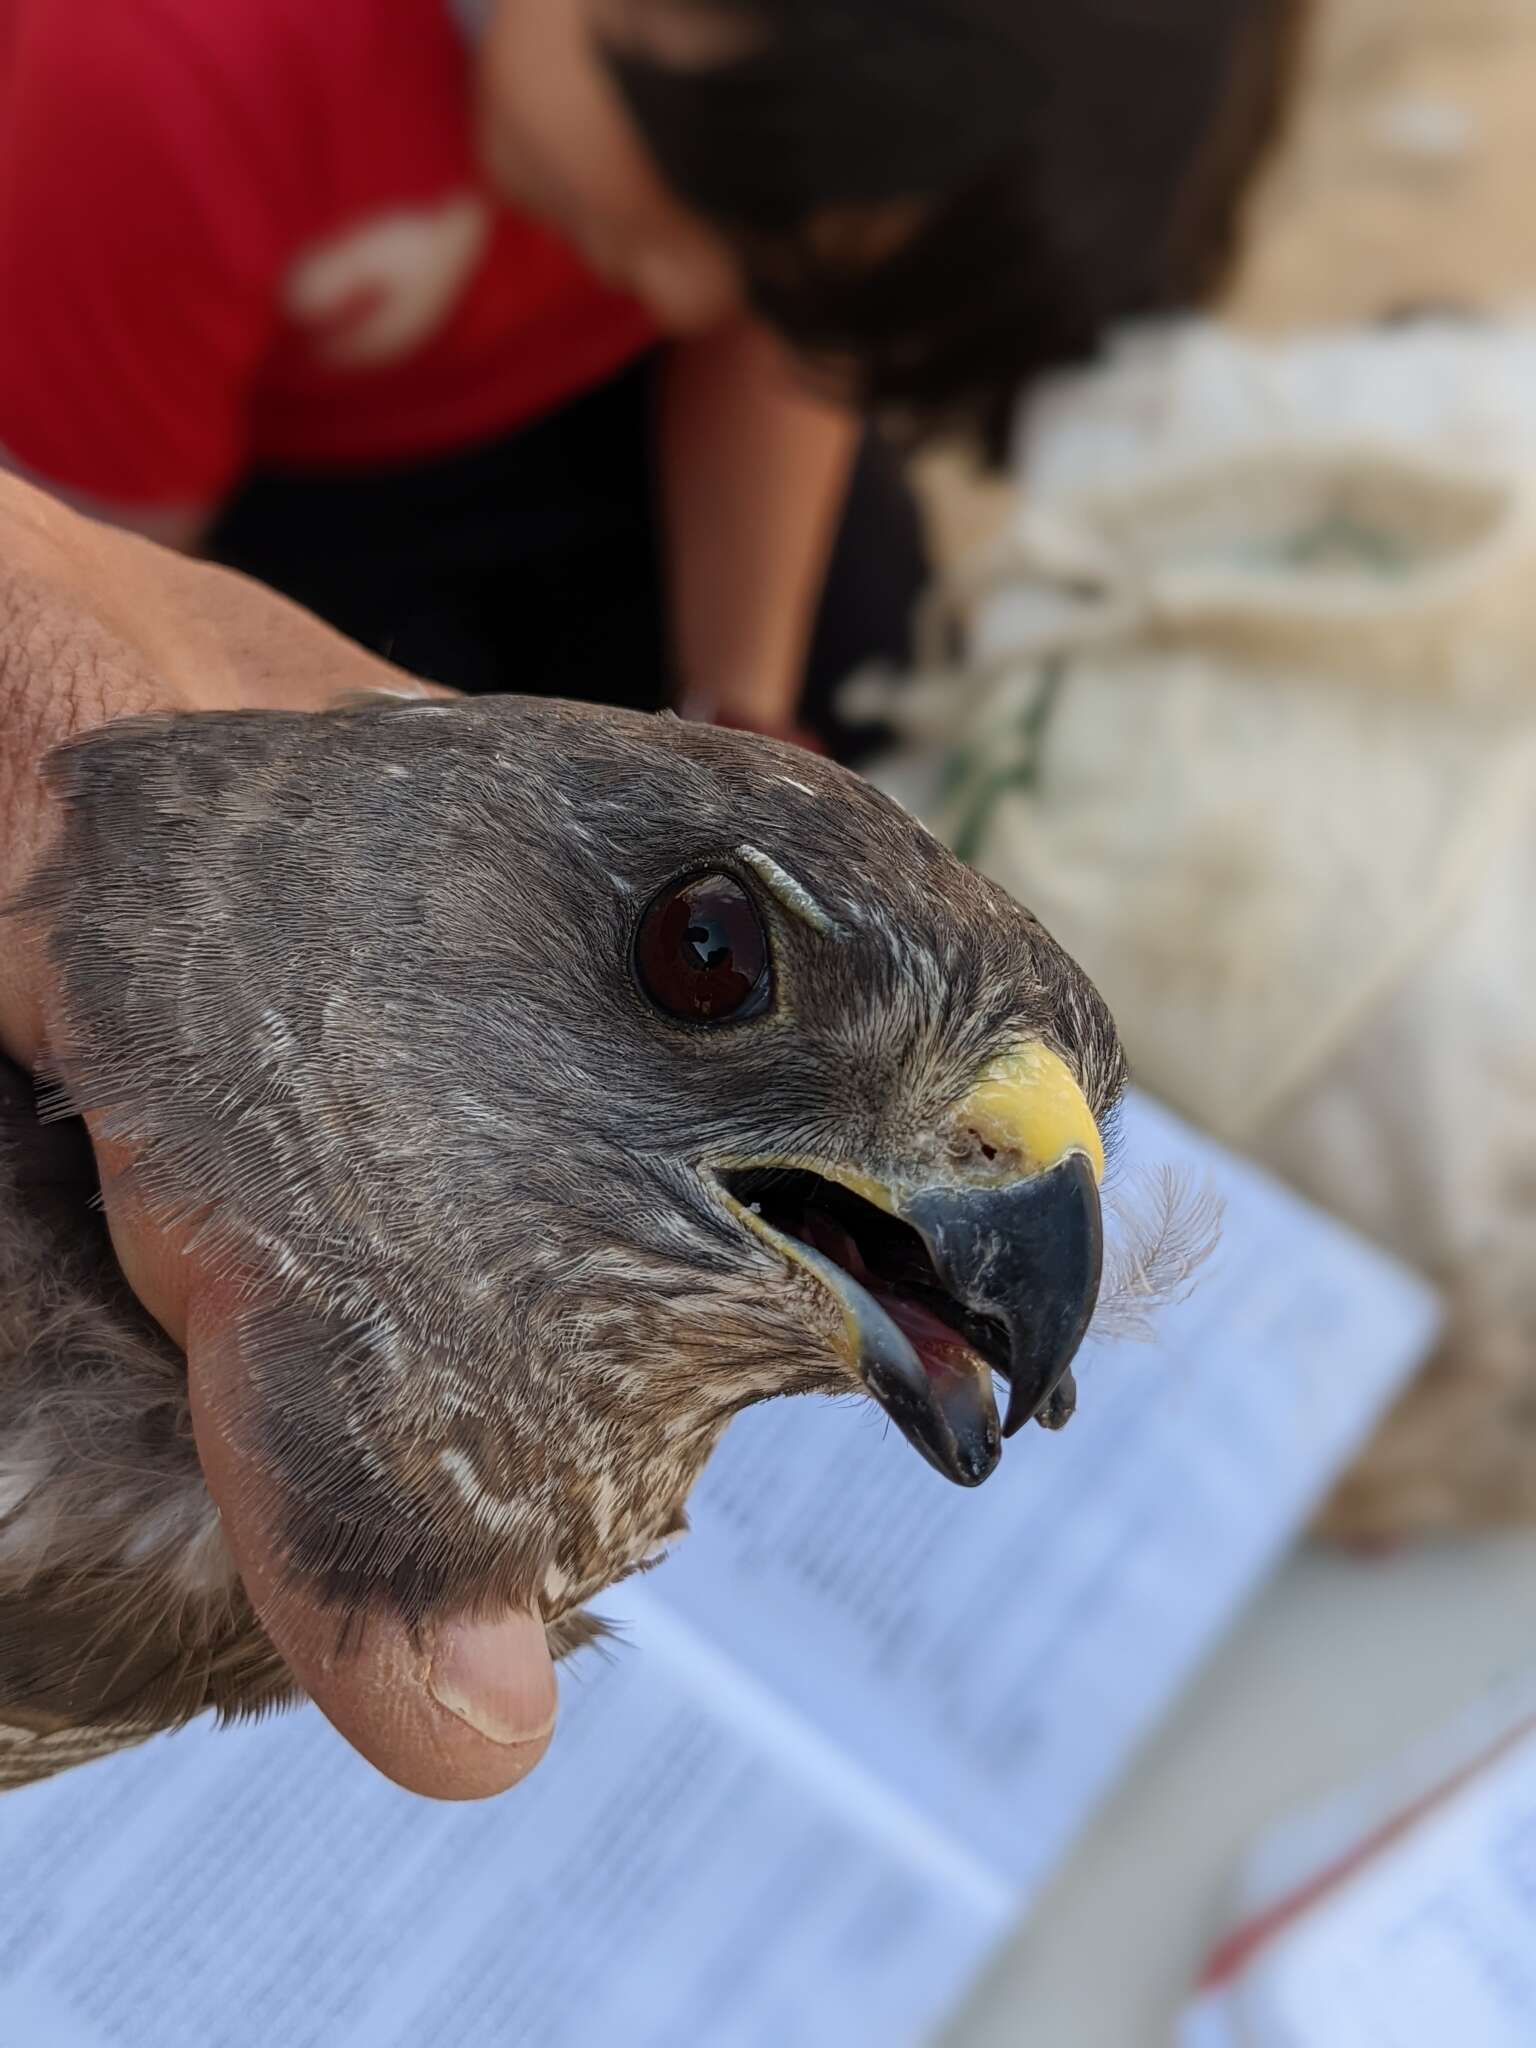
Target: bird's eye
<point x="701" y="953"/>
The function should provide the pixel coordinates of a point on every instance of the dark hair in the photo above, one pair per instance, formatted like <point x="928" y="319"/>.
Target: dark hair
<point x="1068" y="164"/>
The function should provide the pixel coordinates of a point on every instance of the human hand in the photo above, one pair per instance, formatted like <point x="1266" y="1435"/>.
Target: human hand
<point x="96" y="625"/>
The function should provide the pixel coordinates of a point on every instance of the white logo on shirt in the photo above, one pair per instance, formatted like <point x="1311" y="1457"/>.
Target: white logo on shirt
<point x="375" y="293"/>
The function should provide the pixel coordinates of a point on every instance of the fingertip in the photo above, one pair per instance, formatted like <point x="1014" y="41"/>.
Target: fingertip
<point x="497" y="1677"/>
<point x="465" y="1714"/>
<point x="446" y="1730"/>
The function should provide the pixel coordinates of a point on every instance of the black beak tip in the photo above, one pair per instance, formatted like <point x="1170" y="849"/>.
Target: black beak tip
<point x="1053" y="1413"/>
<point x="957" y="1433"/>
<point x="1062" y="1405"/>
<point x="977" y="1459"/>
<point x="1032" y="1253"/>
<point x="968" y="1464"/>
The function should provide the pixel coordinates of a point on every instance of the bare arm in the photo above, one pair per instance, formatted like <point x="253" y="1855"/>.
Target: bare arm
<point x="98" y="624"/>
<point x="754" y="474"/>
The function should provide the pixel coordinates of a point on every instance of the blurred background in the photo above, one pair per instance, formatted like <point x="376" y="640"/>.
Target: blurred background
<point x="1382" y="304"/>
<point x="1229" y="675"/>
<point x="1398" y="189"/>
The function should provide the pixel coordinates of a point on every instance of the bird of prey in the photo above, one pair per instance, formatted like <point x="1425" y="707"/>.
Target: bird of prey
<point x="558" y="1082"/>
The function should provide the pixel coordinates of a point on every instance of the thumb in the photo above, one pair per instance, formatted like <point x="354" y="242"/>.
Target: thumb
<point x="461" y="1711"/>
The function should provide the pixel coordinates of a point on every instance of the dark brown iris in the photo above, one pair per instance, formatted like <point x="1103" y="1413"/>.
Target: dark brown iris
<point x="701" y="953"/>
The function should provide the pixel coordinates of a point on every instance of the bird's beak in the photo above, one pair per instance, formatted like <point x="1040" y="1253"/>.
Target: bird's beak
<point x="1014" y="1240"/>
<point x="941" y="1399"/>
<point x="1023" y="1240"/>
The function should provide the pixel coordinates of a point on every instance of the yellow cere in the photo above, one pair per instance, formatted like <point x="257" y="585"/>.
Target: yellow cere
<point x="1028" y="1103"/>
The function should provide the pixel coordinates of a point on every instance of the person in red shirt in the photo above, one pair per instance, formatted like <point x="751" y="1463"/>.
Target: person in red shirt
<point x="465" y="321"/>
<point x="528" y="340"/>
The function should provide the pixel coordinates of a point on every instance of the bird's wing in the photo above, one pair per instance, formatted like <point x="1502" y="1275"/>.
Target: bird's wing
<point x="234" y="1673"/>
<point x="101" y="1643"/>
<point x="30" y="1754"/>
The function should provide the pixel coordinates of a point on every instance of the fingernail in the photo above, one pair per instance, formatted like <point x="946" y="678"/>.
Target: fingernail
<point x="497" y="1677"/>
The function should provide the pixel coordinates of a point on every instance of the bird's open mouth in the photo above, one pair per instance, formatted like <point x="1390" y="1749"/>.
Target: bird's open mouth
<point x="947" y="1275"/>
<point x="924" y="1356"/>
<point x="883" y="1255"/>
<point x="933" y="1305"/>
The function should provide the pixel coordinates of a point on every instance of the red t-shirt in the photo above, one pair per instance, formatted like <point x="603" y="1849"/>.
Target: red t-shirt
<point x="237" y="233"/>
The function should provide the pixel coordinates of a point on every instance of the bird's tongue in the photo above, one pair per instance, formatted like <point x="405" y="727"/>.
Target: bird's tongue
<point x="943" y="1351"/>
<point x="934" y="1387"/>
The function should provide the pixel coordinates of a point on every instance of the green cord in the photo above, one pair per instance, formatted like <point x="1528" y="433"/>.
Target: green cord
<point x="1023" y="773"/>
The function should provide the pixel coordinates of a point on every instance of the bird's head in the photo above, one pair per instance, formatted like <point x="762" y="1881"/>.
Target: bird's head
<point x="561" y="1082"/>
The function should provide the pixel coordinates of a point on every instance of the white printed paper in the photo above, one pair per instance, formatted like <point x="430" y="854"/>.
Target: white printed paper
<point x="853" y="1724"/>
<point x="1428" y="1939"/>
<point x="665" y="1880"/>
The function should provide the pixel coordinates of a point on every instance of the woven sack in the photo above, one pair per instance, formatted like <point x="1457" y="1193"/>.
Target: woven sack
<point x="1255" y="735"/>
